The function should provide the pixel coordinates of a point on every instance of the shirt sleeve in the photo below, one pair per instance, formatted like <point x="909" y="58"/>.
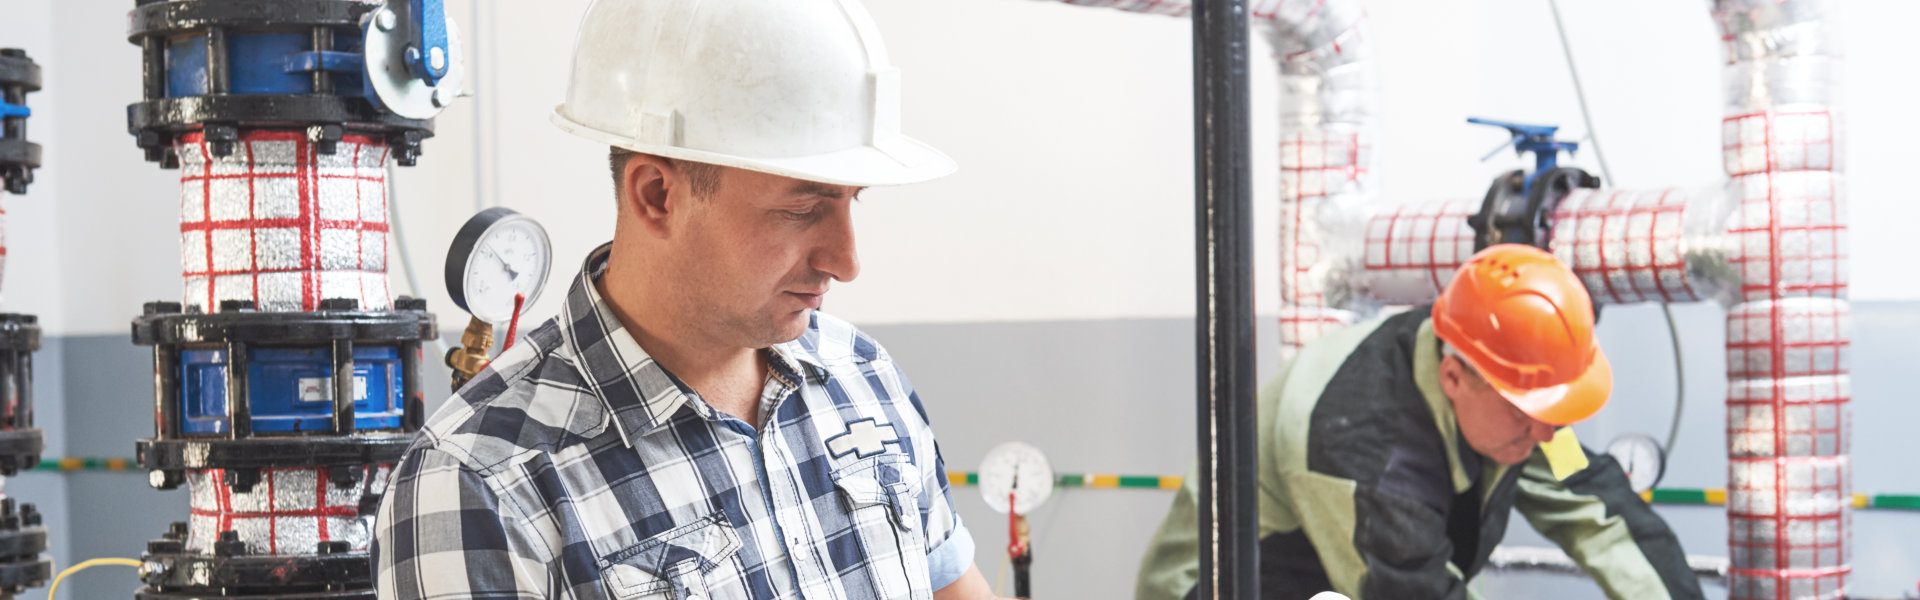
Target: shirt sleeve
<point x="440" y="533"/>
<point x="1597" y="519"/>
<point x="949" y="545"/>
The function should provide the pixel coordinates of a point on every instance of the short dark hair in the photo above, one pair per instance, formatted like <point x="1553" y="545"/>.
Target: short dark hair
<point x="705" y="178"/>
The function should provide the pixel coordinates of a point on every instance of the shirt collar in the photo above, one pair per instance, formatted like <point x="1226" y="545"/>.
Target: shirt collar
<point x="642" y="395"/>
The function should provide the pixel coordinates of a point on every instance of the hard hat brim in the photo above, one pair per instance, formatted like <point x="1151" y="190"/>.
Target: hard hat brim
<point x="1567" y="403"/>
<point x="906" y="160"/>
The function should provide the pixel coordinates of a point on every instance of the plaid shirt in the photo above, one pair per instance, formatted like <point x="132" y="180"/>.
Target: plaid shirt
<point x="576" y="467"/>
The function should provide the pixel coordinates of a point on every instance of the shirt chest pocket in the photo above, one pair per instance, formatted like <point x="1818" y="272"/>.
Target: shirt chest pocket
<point x="882" y="497"/>
<point x="696" y="561"/>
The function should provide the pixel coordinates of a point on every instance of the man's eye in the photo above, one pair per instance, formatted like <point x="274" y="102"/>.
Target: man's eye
<point x="801" y="215"/>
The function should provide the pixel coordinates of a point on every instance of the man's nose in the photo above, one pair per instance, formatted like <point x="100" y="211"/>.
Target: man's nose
<point x="1541" y="432"/>
<point x="836" y="255"/>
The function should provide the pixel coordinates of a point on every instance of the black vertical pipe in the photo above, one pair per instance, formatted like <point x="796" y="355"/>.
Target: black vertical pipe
<point x="343" y="393"/>
<point x="217" y="78"/>
<point x="153" y="67"/>
<point x="413" y="413"/>
<point x="166" y="392"/>
<point x="239" y="397"/>
<point x="322" y="43"/>
<point x="23" y="416"/>
<point x="1223" y="232"/>
<point x="9" y="390"/>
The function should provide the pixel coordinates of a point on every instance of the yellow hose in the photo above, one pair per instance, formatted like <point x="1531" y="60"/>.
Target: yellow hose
<point x="55" y="588"/>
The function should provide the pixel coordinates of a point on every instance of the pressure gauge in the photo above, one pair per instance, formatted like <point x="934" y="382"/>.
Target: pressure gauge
<point x="1641" y="457"/>
<point x="497" y="255"/>
<point x="1018" y="470"/>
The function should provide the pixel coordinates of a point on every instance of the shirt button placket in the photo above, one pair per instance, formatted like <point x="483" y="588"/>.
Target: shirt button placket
<point x="788" y="511"/>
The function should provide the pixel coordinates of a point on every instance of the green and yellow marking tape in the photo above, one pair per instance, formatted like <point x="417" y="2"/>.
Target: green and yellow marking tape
<point x="1111" y="481"/>
<point x="1671" y="496"/>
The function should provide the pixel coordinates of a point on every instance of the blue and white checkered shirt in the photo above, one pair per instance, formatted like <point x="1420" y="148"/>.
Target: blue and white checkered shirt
<point x="575" y="467"/>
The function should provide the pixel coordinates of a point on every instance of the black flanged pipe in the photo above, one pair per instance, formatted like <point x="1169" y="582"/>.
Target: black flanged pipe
<point x="1223" y="238"/>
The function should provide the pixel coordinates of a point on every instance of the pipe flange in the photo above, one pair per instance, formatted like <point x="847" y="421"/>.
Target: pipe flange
<point x="185" y="454"/>
<point x="156" y="123"/>
<point x="183" y="16"/>
<point x="180" y="575"/>
<point x="17" y="577"/>
<point x="17" y="69"/>
<point x="164" y="325"/>
<point x="20" y="450"/>
<point x="19" y="333"/>
<point x="1512" y="214"/>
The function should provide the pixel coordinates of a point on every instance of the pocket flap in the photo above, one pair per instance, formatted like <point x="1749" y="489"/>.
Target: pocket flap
<point x="884" y="480"/>
<point x="702" y="545"/>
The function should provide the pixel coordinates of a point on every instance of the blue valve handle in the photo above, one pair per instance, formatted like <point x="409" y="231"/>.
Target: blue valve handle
<point x="426" y="27"/>
<point x="1537" y="139"/>
<point x="14" y="110"/>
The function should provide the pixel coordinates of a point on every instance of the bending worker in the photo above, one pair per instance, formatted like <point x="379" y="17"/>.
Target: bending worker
<point x="691" y="426"/>
<point x="1391" y="451"/>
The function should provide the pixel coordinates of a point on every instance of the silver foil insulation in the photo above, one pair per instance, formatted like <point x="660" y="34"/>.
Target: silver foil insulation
<point x="1788" y="332"/>
<point x="288" y="511"/>
<point x="284" y="226"/>
<point x="279" y="224"/>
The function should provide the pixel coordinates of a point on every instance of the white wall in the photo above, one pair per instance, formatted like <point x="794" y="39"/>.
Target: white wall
<point x="1072" y="127"/>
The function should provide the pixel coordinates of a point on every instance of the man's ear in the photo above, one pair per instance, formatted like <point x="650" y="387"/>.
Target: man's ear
<point x="1452" y="376"/>
<point x="646" y="185"/>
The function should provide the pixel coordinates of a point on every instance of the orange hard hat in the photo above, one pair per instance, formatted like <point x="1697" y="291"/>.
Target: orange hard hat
<point x="1524" y="321"/>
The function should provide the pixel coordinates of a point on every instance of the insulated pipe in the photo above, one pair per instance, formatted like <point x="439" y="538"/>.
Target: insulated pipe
<point x="281" y="225"/>
<point x="1788" y="331"/>
<point x="1328" y="99"/>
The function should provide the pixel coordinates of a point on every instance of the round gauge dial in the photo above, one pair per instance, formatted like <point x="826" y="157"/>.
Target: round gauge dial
<point x="1017" y="469"/>
<point x="1641" y="457"/>
<point x="498" y="254"/>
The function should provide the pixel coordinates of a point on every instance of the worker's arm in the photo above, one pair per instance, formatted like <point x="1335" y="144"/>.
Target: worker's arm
<point x="970" y="586"/>
<point x="1597" y="519"/>
<point x="1381" y="540"/>
<point x="442" y="533"/>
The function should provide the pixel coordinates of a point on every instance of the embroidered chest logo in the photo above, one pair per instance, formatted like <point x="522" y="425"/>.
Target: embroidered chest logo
<point x="864" y="437"/>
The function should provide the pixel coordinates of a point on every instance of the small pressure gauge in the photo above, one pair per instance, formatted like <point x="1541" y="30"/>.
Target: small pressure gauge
<point x="1641" y="457"/>
<point x="1017" y="469"/>
<point x="498" y="254"/>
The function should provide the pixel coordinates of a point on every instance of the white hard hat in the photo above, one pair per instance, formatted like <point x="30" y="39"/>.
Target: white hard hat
<point x="798" y="88"/>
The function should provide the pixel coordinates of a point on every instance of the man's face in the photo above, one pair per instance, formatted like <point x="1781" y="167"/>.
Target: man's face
<point x="1493" y="426"/>
<point x="759" y="253"/>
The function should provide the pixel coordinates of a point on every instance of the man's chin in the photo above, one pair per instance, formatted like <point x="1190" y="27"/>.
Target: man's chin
<point x="791" y="326"/>
<point x="1515" y="457"/>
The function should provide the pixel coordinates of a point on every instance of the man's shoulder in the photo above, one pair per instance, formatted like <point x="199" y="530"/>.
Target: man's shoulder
<point x="530" y="399"/>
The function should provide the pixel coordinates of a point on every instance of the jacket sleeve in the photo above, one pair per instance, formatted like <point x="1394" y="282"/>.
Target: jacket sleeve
<point x="1375" y="542"/>
<point x="1597" y="519"/>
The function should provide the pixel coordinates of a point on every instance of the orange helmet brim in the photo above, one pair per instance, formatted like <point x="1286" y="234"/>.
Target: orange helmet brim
<point x="1567" y="403"/>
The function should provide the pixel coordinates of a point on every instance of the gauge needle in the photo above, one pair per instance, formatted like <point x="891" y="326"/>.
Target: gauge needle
<point x="494" y="251"/>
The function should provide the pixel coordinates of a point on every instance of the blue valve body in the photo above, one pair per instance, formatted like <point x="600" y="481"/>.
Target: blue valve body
<point x="267" y="63"/>
<point x="282" y="390"/>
